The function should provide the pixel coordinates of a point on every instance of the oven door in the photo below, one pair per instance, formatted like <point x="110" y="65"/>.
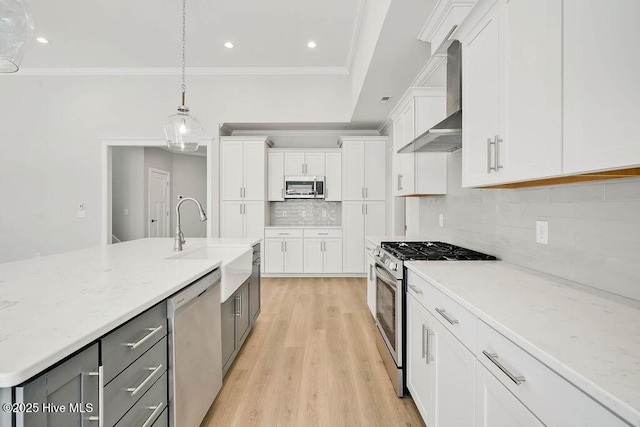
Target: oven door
<point x="389" y="311"/>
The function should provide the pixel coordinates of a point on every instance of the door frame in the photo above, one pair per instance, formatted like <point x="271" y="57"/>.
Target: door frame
<point x="213" y="190"/>
<point x="167" y="196"/>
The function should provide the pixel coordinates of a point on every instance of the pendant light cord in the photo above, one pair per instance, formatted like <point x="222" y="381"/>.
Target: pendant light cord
<point x="184" y="37"/>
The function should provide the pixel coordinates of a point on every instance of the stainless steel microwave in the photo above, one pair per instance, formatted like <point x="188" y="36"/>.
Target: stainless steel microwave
<point x="304" y="187"/>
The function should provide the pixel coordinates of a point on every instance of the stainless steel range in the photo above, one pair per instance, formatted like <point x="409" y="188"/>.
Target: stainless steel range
<point x="391" y="296"/>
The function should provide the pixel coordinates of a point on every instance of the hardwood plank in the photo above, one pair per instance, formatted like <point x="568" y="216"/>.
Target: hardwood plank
<point x="311" y="360"/>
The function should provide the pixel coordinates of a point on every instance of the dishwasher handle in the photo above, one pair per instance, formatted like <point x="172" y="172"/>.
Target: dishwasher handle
<point x="191" y="293"/>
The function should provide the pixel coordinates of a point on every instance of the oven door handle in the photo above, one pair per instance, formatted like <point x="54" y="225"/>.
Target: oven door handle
<point x="386" y="278"/>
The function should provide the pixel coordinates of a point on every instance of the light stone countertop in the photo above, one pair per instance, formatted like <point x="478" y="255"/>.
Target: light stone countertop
<point x="52" y="306"/>
<point x="589" y="337"/>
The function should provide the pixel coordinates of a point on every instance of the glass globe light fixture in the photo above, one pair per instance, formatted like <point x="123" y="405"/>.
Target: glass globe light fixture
<point x="16" y="29"/>
<point x="182" y="131"/>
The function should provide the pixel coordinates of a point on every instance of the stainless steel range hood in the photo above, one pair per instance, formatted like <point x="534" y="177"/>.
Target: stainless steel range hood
<point x="446" y="136"/>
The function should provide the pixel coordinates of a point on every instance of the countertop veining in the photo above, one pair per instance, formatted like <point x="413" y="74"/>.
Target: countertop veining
<point x="52" y="306"/>
<point x="589" y="337"/>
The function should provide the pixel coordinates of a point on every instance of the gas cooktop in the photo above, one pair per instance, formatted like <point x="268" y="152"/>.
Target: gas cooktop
<point x="433" y="251"/>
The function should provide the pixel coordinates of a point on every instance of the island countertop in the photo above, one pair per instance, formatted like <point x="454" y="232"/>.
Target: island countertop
<point x="50" y="307"/>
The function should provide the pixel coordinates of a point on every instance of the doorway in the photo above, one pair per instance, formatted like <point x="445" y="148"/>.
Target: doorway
<point x="159" y="183"/>
<point x="115" y="210"/>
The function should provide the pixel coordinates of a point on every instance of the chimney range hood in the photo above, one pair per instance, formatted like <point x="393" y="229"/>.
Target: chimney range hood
<point x="446" y="136"/>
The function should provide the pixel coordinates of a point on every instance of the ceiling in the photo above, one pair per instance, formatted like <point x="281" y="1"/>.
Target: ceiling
<point x="147" y="33"/>
<point x="270" y="37"/>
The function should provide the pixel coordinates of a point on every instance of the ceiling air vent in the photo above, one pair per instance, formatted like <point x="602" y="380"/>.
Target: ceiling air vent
<point x="384" y="100"/>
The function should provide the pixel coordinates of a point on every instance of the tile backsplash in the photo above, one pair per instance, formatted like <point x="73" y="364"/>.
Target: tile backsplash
<point x="594" y="228"/>
<point x="306" y="212"/>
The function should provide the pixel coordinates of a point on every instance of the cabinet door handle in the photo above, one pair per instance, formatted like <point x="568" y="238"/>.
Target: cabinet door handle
<point x="424" y="332"/>
<point x="100" y="417"/>
<point x="497" y="151"/>
<point x="282" y="193"/>
<point x="154" y="371"/>
<point x="285" y="246"/>
<point x="371" y="272"/>
<point x="362" y="192"/>
<point x="442" y="312"/>
<point x="366" y="192"/>
<point x="238" y="300"/>
<point x="362" y="209"/>
<point x="153" y="331"/>
<point x="489" y="143"/>
<point x="517" y="379"/>
<point x="415" y="289"/>
<point x="156" y="409"/>
<point x="400" y="176"/>
<point x="428" y="356"/>
<point x="366" y="209"/>
<point x="282" y="246"/>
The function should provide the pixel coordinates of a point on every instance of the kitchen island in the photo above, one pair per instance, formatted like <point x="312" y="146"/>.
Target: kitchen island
<point x="54" y="306"/>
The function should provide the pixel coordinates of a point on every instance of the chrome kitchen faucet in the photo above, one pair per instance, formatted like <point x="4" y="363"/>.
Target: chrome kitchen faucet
<point x="178" y="239"/>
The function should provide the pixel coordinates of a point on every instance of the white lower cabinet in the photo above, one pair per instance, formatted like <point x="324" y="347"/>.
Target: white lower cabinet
<point x="440" y="370"/>
<point x="322" y="255"/>
<point x="284" y="255"/>
<point x="498" y="407"/>
<point x="484" y="380"/>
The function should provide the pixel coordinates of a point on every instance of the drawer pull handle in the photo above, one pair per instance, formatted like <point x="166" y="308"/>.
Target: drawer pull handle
<point x="283" y="234"/>
<point x="134" y="345"/>
<point x="323" y="234"/>
<point x="156" y="409"/>
<point x="415" y="289"/>
<point x="100" y="375"/>
<point x="442" y="312"/>
<point x="517" y="379"/>
<point x="154" y="371"/>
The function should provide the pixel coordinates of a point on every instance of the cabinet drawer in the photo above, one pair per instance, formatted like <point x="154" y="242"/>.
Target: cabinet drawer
<point x="151" y="408"/>
<point x="121" y="393"/>
<point x="283" y="232"/>
<point x="452" y="315"/>
<point x="124" y="345"/>
<point x="163" y="419"/>
<point x="322" y="232"/>
<point x="550" y="397"/>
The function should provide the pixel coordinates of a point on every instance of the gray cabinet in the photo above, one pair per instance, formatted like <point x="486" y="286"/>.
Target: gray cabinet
<point x="235" y="323"/>
<point x="72" y="385"/>
<point x="254" y="287"/>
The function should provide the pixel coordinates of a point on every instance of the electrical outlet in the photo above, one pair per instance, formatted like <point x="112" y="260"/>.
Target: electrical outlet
<point x="441" y="220"/>
<point x="284" y="213"/>
<point x="324" y="214"/>
<point x="37" y="254"/>
<point x="542" y="232"/>
<point x="126" y="212"/>
<point x="304" y="214"/>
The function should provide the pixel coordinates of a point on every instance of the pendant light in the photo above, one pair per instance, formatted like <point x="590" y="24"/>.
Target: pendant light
<point x="16" y="28"/>
<point x="183" y="132"/>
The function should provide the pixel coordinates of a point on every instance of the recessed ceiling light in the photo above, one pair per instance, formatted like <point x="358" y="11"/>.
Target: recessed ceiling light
<point x="312" y="45"/>
<point x="228" y="45"/>
<point x="42" y="40"/>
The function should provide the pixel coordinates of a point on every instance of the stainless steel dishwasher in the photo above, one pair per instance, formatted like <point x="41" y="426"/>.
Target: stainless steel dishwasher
<point x="195" y="359"/>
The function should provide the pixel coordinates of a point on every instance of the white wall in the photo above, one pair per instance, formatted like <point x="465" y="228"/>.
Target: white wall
<point x="128" y="183"/>
<point x="189" y="179"/>
<point x="594" y="228"/>
<point x="50" y="158"/>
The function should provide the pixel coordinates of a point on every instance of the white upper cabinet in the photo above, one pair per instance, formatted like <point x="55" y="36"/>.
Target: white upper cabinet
<point x="364" y="168"/>
<point x="243" y="169"/>
<point x="275" y="181"/>
<point x="601" y="85"/>
<point x="549" y="89"/>
<point x="418" y="173"/>
<point x="512" y="96"/>
<point x="333" y="177"/>
<point x="298" y="163"/>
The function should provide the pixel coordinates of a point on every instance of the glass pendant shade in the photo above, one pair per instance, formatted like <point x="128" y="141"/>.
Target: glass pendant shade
<point x="16" y="28"/>
<point x="182" y="131"/>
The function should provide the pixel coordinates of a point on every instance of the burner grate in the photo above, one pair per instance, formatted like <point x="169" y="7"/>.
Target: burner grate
<point x="433" y="251"/>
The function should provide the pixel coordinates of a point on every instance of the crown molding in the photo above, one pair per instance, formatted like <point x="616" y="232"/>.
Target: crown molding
<point x="310" y="132"/>
<point x="356" y="35"/>
<point x="413" y="92"/>
<point x="193" y="71"/>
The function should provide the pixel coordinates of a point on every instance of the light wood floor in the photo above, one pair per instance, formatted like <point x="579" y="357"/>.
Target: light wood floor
<point x="311" y="360"/>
